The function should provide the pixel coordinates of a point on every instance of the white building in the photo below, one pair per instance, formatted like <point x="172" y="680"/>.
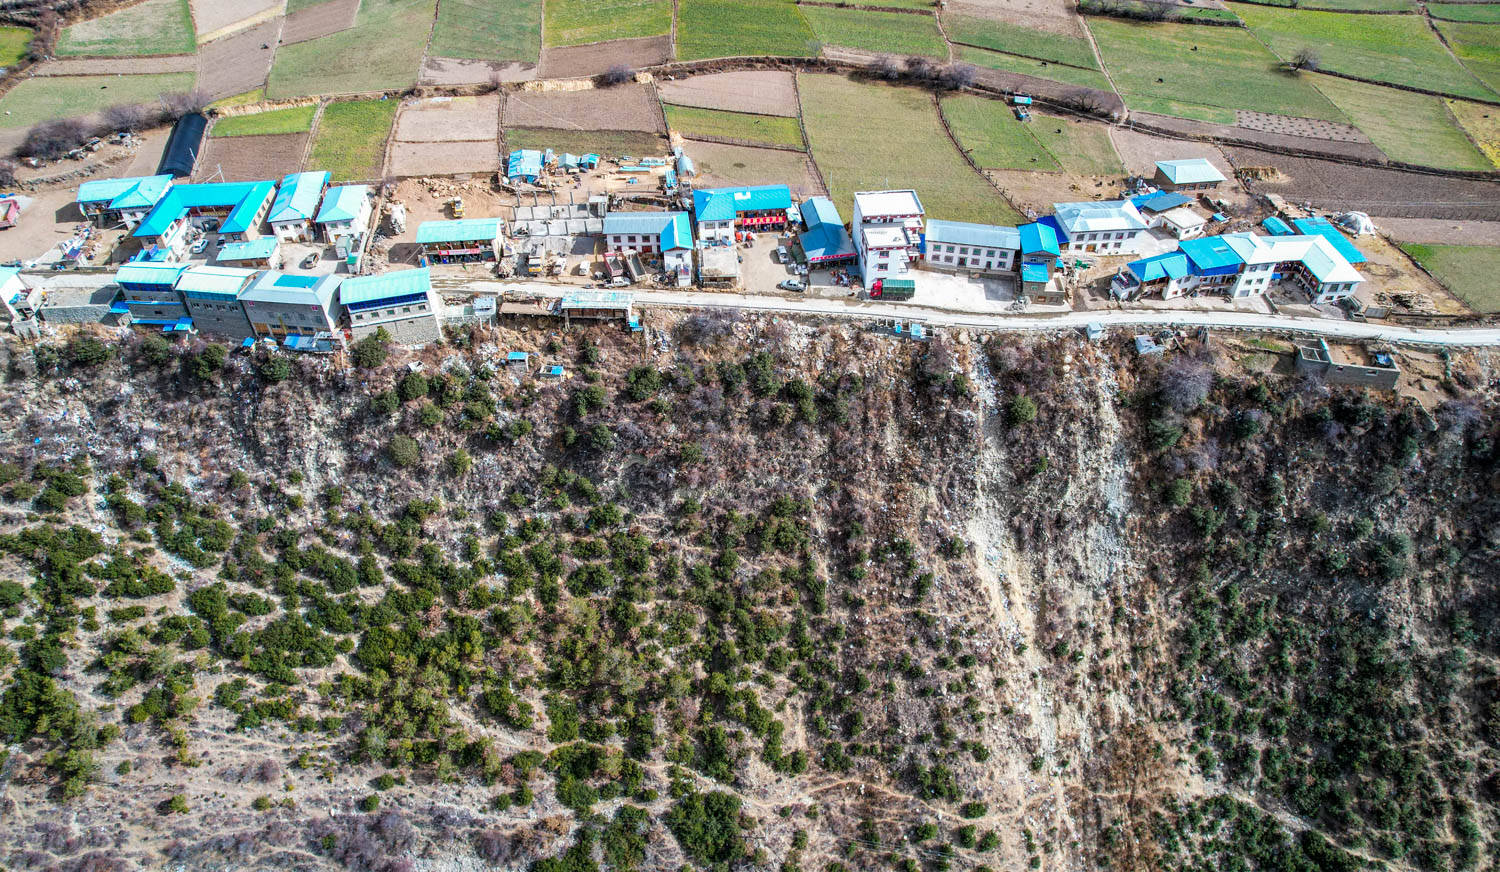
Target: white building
<point x="887" y="231"/>
<point x="1107" y="227"/>
<point x="974" y="248"/>
<point x="667" y="234"/>
<point x="1309" y="263"/>
<point x="296" y="203"/>
<point x="345" y="212"/>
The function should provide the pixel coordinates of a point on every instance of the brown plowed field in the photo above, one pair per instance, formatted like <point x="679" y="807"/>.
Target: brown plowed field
<point x="443" y="158"/>
<point x="460" y="119"/>
<point x="212" y="15"/>
<point x="1056" y="16"/>
<point x="117" y="66"/>
<point x="1140" y="151"/>
<point x="764" y="92"/>
<point x="1330" y="185"/>
<point x="458" y="71"/>
<point x="320" y="20"/>
<point x="1107" y="101"/>
<point x="726" y="165"/>
<point x="252" y="158"/>
<point x="1347" y="147"/>
<point x="236" y="64"/>
<point x="627" y="107"/>
<point x="598" y="57"/>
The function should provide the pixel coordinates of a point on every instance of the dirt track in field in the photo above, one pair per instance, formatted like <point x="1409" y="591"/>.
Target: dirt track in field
<point x="595" y="58"/>
<point x="764" y="92"/>
<point x="459" y="119"/>
<point x="320" y="20"/>
<point x="626" y="107"/>
<point x="252" y="158"/>
<point x="238" y="63"/>
<point x="443" y="158"/>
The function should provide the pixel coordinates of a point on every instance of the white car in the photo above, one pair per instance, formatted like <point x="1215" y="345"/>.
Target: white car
<point x="198" y="246"/>
<point x="792" y="285"/>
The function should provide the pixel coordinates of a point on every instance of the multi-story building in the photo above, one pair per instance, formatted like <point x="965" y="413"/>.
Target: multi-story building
<point x="345" y="213"/>
<point x="150" y="292"/>
<point x="825" y="242"/>
<point x="887" y="233"/>
<point x="463" y="240"/>
<point x="281" y="305"/>
<point x="719" y="212"/>
<point x="667" y="234"/>
<point x="1105" y="226"/>
<point x="983" y="249"/>
<point x="211" y="295"/>
<point x="291" y="215"/>
<point x="122" y="201"/>
<point x="233" y="210"/>
<point x="1242" y="265"/>
<point x="399" y="301"/>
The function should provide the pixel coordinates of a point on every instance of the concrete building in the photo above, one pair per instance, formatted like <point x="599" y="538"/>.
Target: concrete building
<point x="150" y="293"/>
<point x="1039" y="254"/>
<point x="887" y="233"/>
<point x="718" y="267"/>
<point x="719" y="212"/>
<point x="1187" y="174"/>
<point x="1106" y="227"/>
<point x="18" y="301"/>
<point x="345" y="213"/>
<point x="1338" y="366"/>
<point x="465" y="240"/>
<point x="78" y="298"/>
<point x="400" y="301"/>
<point x="280" y="305"/>
<point x="121" y="201"/>
<point x="211" y="295"/>
<point x="260" y="253"/>
<point x="1310" y="264"/>
<point x="233" y="210"/>
<point x="1171" y="212"/>
<point x="291" y="215"/>
<point x="666" y="234"/>
<point x="596" y="305"/>
<point x="825" y="242"/>
<point x="979" y="249"/>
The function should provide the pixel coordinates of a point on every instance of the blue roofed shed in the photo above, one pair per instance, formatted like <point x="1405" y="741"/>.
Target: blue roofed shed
<point x="1276" y="227"/>
<point x="524" y="164"/>
<point x="260" y="249"/>
<point x="1322" y="227"/>
<point x="826" y="241"/>
<point x="1167" y="266"/>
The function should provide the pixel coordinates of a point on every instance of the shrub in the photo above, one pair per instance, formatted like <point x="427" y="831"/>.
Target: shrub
<point x="618" y="74"/>
<point x="1179" y="491"/>
<point x="707" y="826"/>
<point x="403" y="451"/>
<point x="128" y="116"/>
<point x="51" y="140"/>
<point x="274" y="369"/>
<point x="459" y="463"/>
<point x="1021" y="410"/>
<point x="372" y="350"/>
<point x="156" y="350"/>
<point x="87" y="351"/>
<point x="384" y="403"/>
<point x="207" y="363"/>
<point x="412" y="387"/>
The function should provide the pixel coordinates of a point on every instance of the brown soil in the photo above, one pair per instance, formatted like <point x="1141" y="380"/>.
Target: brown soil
<point x="147" y="154"/>
<point x="721" y="165"/>
<point x="320" y="20"/>
<point x="1337" y="186"/>
<point x="765" y="92"/>
<point x="1038" y="191"/>
<point x="627" y="107"/>
<point x="1440" y="231"/>
<point x="1107" y="101"/>
<point x="1347" y="147"/>
<point x="117" y="66"/>
<point x="456" y="119"/>
<point x="1140" y="151"/>
<point x="459" y="71"/>
<point x="443" y="158"/>
<point x="1055" y="16"/>
<point x="597" y="57"/>
<point x="214" y="15"/>
<point x="252" y="158"/>
<point x="1290" y="125"/>
<point x="236" y="64"/>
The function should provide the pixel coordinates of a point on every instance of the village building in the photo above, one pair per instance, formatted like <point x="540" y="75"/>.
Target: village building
<point x="463" y="240"/>
<point x="400" y="302"/>
<point x="150" y="293"/>
<point x="596" y="305"/>
<point x="666" y="234"/>
<point x="1105" y="227"/>
<point x="887" y="233"/>
<point x="1187" y="174"/>
<point x="260" y="253"/>
<point x="281" y="305"/>
<point x="345" y="213"/>
<point x="718" y="267"/>
<point x="1171" y="212"/>
<point x="291" y="215"/>
<point x="1310" y="264"/>
<point x="211" y="295"/>
<point x="523" y="165"/>
<point x="979" y="249"/>
<point x="825" y="242"/>
<point x="1039" y="254"/>
<point x="121" y="201"/>
<point x="1374" y="369"/>
<point x="1320" y="226"/>
<point x="233" y="210"/>
<point x="719" y="212"/>
<point x="18" y="302"/>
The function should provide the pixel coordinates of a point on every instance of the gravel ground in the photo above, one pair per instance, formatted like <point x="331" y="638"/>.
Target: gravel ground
<point x="764" y="92"/>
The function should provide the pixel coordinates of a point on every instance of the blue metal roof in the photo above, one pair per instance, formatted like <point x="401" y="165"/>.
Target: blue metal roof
<point x="1037" y="237"/>
<point x="461" y="230"/>
<point x="820" y="210"/>
<point x="965" y="233"/>
<point x="1321" y="227"/>
<point x="260" y="248"/>
<point x="524" y="163"/>
<point x="243" y="198"/>
<point x="671" y="228"/>
<point x="136" y="192"/>
<point x="1276" y="227"/>
<point x="1189" y="171"/>
<point x="516" y="355"/>
<point x="1035" y="272"/>
<point x="722" y="204"/>
<point x="1211" y="256"/>
<point x="1160" y="201"/>
<point x="825" y="239"/>
<point x="149" y="273"/>
<point x="298" y="198"/>
<point x="283" y="289"/>
<point x="1169" y="265"/>
<point x="343" y="203"/>
<point x="214" y="280"/>
<point x="385" y="286"/>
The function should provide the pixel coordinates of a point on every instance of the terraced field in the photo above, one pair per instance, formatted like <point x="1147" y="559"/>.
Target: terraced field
<point x="1414" y="128"/>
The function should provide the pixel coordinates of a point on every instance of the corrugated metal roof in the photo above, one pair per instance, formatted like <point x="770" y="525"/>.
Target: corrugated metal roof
<point x="1161" y="201"/>
<point x="243" y="198"/>
<point x="597" y="300"/>
<point x="147" y="273"/>
<point x="1098" y="216"/>
<point x="1038" y="238"/>
<point x="1321" y="227"/>
<point x="259" y="248"/>
<point x="1035" y="272"/>
<point x="298" y="198"/>
<point x="965" y="233"/>
<point x="722" y="204"/>
<point x="280" y="288"/>
<point x="1211" y="253"/>
<point x="1189" y="171"/>
<point x="1276" y="227"/>
<point x="135" y="192"/>
<point x="820" y="210"/>
<point x="397" y="283"/>
<point x="460" y="230"/>
<point x="214" y="280"/>
<point x="343" y="203"/>
<point x="523" y="163"/>
<point x="1171" y="265"/>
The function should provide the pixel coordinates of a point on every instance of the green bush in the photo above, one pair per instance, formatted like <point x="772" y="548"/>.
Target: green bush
<point x="1021" y="410"/>
<point x="707" y="826"/>
<point x="403" y="451"/>
<point x="372" y="350"/>
<point x="87" y="351"/>
<point x="274" y="369"/>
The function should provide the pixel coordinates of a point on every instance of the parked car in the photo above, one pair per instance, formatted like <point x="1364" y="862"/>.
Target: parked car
<point x="199" y="245"/>
<point x="310" y="261"/>
<point x="781" y="254"/>
<point x="792" y="285"/>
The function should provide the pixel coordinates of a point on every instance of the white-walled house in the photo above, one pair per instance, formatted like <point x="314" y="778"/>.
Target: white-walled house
<point x="961" y="246"/>
<point x="887" y="231"/>
<point x="1106" y="227"/>
<point x="345" y="212"/>
<point x="296" y="203"/>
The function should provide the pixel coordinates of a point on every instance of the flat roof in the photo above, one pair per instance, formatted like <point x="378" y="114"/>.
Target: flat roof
<point x="966" y="233"/>
<point x="383" y="286"/>
<point x="881" y="203"/>
<point x="460" y="230"/>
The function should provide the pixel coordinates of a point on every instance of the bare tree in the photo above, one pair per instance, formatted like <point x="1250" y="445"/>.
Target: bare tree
<point x="618" y="74"/>
<point x="180" y="103"/>
<point x="7" y="173"/>
<point x="1159" y="10"/>
<point x="1185" y="383"/>
<point x="955" y="77"/>
<point x="1306" y="59"/>
<point x="53" y="139"/>
<point x="128" y="116"/>
<point x="920" y="69"/>
<point x="886" y="67"/>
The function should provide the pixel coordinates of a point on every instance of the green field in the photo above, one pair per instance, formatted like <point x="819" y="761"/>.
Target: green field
<point x="43" y="98"/>
<point x="13" y="43"/>
<point x="1028" y="67"/>
<point x="1229" y="70"/>
<point x="898" y="33"/>
<point x="1488" y="13"/>
<point x="575" y="22"/>
<point x="1400" y="49"/>
<point x="1482" y="123"/>
<point x="609" y="143"/>
<point x="989" y="131"/>
<point x="380" y="53"/>
<point x="769" y="129"/>
<point x="1467" y="270"/>
<point x="488" y="30"/>
<point x="1080" y="146"/>
<point x="297" y="119"/>
<point x="1357" y="5"/>
<point x="1014" y="39"/>
<point x="1478" y="46"/>
<point x="724" y="28"/>
<point x="350" y="142"/>
<point x="155" y="27"/>
<point x="871" y="137"/>
<point x="1415" y="128"/>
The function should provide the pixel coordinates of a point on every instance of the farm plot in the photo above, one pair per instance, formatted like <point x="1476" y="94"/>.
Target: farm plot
<point x="626" y="107"/>
<point x="13" y="43"/>
<point x="1067" y="75"/>
<point x="1014" y="39"/>
<point x="1157" y="69"/>
<point x="1467" y="270"/>
<point x="1082" y="147"/>
<point x="43" y="99"/>
<point x="320" y="19"/>
<point x="1478" y="46"/>
<point x="443" y="158"/>
<point x="251" y="158"/>
<point x="993" y="137"/>
<point x="720" y="164"/>
<point x="590" y="60"/>
<point x="238" y="63"/>
<point x="151" y="28"/>
<point x="219" y="18"/>
<point x="1412" y="128"/>
<point x="488" y="30"/>
<point x="350" y="140"/>
<point x="117" y="66"/>
<point x="462" y="71"/>
<point x="729" y="28"/>
<point x="763" y="92"/>
<point x="297" y="119"/>
<point x="1400" y="49"/>
<point x="451" y="119"/>
<point x="1482" y="124"/>
<point x="897" y="33"/>
<point x="1486" y="13"/>
<point x="870" y="137"/>
<point x="1053" y="16"/>
<point x="381" y="52"/>
<point x="575" y="22"/>
<point x="768" y="129"/>
<point x="609" y="143"/>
